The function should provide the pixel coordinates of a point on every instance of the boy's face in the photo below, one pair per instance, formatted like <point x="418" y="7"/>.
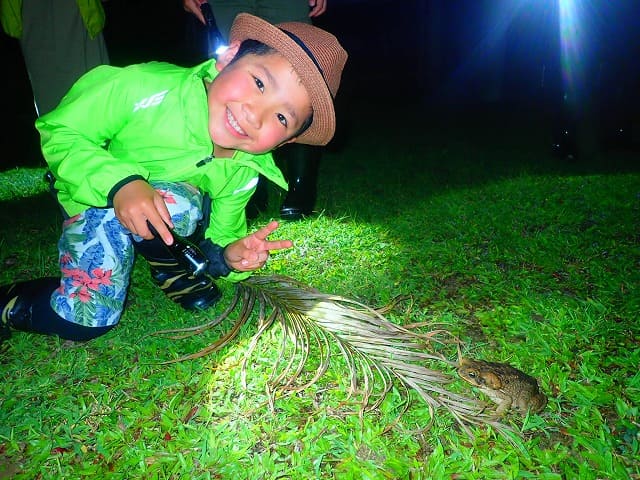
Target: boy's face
<point x="256" y="103"/>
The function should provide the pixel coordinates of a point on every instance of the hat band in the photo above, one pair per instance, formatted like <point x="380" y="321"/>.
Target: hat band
<point x="309" y="53"/>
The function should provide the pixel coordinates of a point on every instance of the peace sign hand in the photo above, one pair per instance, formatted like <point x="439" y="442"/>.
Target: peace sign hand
<point x="252" y="252"/>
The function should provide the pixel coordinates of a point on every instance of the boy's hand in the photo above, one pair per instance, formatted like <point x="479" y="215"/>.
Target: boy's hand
<point x="136" y="203"/>
<point x="251" y="252"/>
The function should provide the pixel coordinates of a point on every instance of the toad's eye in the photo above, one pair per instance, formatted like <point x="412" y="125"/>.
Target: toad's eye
<point x="282" y="119"/>
<point x="259" y="84"/>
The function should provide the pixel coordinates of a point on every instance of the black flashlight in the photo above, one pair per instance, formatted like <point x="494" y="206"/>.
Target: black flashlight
<point x="216" y="43"/>
<point x="187" y="254"/>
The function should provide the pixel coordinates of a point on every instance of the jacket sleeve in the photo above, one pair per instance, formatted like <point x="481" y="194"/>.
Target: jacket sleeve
<point x="75" y="136"/>
<point x="230" y="183"/>
<point x="227" y="222"/>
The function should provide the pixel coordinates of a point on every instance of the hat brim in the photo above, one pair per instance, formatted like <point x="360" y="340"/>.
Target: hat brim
<point x="322" y="129"/>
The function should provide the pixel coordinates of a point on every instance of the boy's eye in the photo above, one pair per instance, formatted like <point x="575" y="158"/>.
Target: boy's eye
<point x="282" y="119"/>
<point x="259" y="84"/>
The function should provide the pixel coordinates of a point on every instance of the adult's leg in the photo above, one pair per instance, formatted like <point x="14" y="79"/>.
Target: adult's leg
<point x="273" y="11"/>
<point x="300" y="164"/>
<point x="278" y="11"/>
<point x="225" y="11"/>
<point x="57" y="49"/>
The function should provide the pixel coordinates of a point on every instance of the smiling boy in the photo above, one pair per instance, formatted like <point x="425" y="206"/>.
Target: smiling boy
<point x="158" y="147"/>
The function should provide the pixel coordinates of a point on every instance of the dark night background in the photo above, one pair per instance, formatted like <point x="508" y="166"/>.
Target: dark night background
<point x="418" y="56"/>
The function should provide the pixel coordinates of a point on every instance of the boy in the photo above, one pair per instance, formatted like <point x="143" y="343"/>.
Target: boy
<point x="298" y="162"/>
<point x="136" y="151"/>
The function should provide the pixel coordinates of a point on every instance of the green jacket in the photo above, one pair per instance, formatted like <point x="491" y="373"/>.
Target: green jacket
<point x="147" y="121"/>
<point x="91" y="11"/>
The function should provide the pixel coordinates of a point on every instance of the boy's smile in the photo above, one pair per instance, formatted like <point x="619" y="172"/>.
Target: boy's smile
<point x="256" y="103"/>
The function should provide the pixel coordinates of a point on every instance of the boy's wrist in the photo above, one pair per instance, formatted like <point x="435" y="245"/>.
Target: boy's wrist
<point x="218" y="265"/>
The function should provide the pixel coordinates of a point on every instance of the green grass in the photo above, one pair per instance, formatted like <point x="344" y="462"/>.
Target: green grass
<point x="529" y="259"/>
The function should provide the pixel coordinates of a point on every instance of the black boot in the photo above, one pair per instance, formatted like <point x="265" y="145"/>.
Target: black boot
<point x="300" y="166"/>
<point x="18" y="301"/>
<point x="192" y="293"/>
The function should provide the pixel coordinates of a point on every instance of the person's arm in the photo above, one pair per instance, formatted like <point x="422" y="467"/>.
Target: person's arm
<point x="193" y="6"/>
<point x="74" y="137"/>
<point x="231" y="185"/>
<point x="227" y="219"/>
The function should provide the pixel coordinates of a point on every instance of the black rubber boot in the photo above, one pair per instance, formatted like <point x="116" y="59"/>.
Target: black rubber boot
<point x="18" y="300"/>
<point x="192" y="293"/>
<point x="299" y="164"/>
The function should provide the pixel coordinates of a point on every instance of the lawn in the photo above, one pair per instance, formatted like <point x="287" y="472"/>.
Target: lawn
<point x="528" y="259"/>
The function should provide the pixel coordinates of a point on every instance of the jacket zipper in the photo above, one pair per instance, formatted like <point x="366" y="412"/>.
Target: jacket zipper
<point x="204" y="161"/>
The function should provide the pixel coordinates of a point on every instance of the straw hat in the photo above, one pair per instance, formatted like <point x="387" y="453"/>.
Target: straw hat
<point x="315" y="55"/>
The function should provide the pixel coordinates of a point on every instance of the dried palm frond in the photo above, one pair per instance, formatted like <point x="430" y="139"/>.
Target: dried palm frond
<point x="379" y="354"/>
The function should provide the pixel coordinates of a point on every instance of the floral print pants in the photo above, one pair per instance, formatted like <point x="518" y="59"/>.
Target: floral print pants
<point x="96" y="257"/>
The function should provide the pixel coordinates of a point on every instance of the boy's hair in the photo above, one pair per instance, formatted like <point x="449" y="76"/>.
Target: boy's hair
<point x="254" y="47"/>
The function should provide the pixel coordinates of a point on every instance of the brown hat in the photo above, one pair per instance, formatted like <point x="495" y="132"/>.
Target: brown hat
<point x="315" y="55"/>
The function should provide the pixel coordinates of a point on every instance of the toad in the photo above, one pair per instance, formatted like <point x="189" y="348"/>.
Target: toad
<point x="505" y="385"/>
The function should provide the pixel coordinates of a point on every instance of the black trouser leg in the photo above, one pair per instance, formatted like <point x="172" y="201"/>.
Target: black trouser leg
<point x="26" y="306"/>
<point x="300" y="164"/>
<point x="192" y="293"/>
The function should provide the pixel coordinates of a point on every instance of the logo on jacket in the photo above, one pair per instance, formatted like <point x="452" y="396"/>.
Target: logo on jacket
<point x="153" y="100"/>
